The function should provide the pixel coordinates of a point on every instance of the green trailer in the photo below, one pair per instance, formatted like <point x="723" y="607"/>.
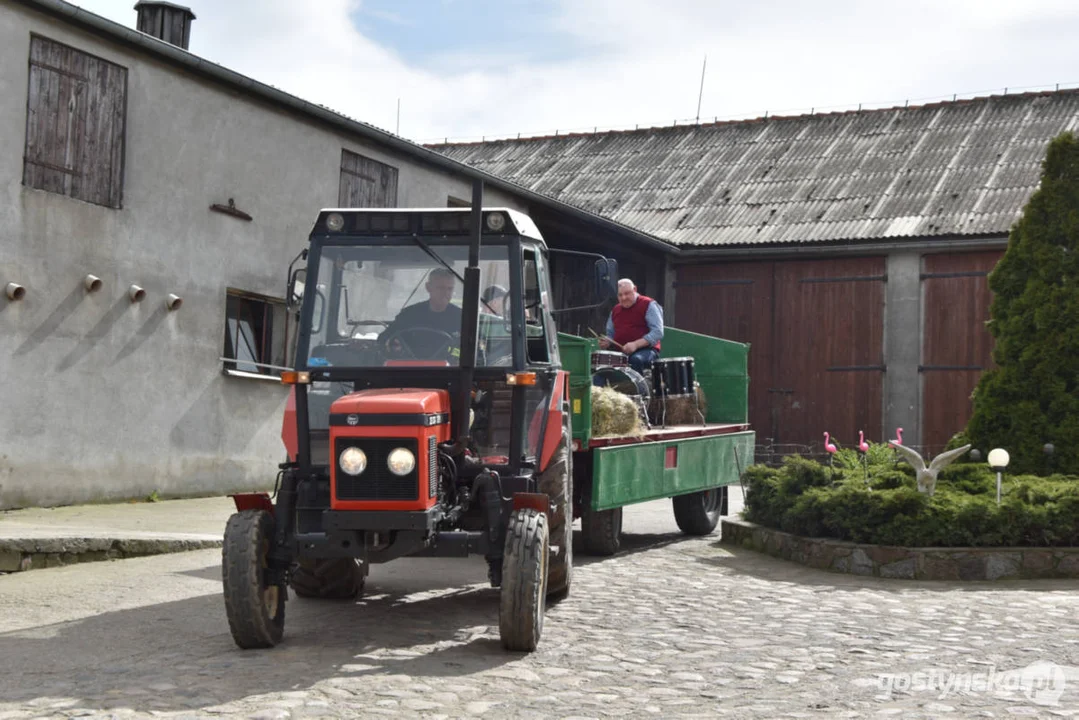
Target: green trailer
<point x="694" y="465"/>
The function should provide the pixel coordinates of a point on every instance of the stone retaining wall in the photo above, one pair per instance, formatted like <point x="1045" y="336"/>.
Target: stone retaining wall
<point x="21" y="555"/>
<point x="900" y="562"/>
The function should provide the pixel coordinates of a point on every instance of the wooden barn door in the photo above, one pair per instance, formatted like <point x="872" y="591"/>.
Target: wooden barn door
<point x="957" y="347"/>
<point x="734" y="301"/>
<point x="828" y="352"/>
<point x="815" y="328"/>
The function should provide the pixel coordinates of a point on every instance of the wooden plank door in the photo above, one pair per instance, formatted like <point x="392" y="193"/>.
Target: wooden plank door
<point x="734" y="301"/>
<point x="957" y="347"/>
<point x="828" y="351"/>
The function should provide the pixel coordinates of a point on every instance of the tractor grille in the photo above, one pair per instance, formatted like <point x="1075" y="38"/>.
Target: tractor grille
<point x="432" y="467"/>
<point x="376" y="482"/>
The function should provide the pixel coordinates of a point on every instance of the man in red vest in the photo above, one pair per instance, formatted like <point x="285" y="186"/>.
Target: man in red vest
<point x="635" y="325"/>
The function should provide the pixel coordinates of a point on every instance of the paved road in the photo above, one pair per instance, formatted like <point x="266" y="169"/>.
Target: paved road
<point x="672" y="627"/>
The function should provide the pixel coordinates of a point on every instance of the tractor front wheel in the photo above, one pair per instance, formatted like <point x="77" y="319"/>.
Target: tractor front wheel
<point x="698" y="513"/>
<point x="255" y="608"/>
<point x="601" y="531"/>
<point x="556" y="481"/>
<point x="327" y="578"/>
<point x="524" y="580"/>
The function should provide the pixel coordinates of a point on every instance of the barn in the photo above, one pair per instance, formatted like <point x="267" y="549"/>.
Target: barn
<point x="851" y="250"/>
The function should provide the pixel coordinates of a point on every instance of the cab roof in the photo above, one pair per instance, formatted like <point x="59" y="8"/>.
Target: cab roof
<point x="427" y="221"/>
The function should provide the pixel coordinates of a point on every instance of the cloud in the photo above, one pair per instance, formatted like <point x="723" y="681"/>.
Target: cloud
<point x="616" y="63"/>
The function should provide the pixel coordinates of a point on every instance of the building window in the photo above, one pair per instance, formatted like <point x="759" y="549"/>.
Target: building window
<point x="366" y="183"/>
<point x="75" y="124"/>
<point x="256" y="334"/>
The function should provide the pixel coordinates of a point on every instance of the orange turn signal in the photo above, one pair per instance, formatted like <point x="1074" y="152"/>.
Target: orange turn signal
<point x="292" y="377"/>
<point x="521" y="378"/>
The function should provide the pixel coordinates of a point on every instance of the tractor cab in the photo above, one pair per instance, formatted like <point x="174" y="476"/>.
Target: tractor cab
<point x="382" y="307"/>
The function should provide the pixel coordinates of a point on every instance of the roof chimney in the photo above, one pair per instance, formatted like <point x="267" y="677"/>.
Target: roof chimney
<point x="165" y="21"/>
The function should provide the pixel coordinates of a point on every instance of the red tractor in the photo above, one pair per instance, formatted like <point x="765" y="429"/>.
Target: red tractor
<point x="428" y="416"/>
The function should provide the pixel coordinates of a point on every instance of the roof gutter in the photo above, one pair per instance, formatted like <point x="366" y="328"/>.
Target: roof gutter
<point x="189" y="61"/>
<point x="692" y="254"/>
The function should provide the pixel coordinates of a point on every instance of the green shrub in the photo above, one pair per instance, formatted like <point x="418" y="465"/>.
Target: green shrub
<point x="806" y="498"/>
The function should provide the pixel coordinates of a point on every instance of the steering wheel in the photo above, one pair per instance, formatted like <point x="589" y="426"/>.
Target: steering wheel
<point x="395" y="335"/>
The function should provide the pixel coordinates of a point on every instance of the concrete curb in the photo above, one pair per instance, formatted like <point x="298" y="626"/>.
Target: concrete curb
<point x="930" y="563"/>
<point x="19" y="555"/>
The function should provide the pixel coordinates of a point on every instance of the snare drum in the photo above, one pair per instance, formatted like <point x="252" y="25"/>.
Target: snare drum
<point x="608" y="358"/>
<point x="673" y="376"/>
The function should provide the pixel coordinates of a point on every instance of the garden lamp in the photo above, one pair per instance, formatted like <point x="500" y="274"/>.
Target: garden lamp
<point x="998" y="460"/>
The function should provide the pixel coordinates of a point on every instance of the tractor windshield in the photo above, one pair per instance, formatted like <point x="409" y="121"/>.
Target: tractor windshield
<point x="379" y="305"/>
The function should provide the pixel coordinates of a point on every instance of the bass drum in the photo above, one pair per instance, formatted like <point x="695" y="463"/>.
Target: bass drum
<point x="625" y="380"/>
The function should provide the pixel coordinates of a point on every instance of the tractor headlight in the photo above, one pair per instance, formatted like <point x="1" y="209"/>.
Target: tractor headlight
<point x="353" y="460"/>
<point x="401" y="461"/>
<point x="335" y="221"/>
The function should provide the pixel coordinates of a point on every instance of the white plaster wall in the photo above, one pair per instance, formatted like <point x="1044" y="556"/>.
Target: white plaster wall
<point x="104" y="399"/>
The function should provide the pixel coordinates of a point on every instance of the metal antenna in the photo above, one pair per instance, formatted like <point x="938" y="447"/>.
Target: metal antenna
<point x="398" y="130"/>
<point x="701" y="95"/>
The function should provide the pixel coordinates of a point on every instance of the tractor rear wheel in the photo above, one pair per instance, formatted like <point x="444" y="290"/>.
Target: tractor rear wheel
<point x="255" y="609"/>
<point x="524" y="580"/>
<point x="327" y="578"/>
<point x="556" y="481"/>
<point x="601" y="531"/>
<point x="698" y="513"/>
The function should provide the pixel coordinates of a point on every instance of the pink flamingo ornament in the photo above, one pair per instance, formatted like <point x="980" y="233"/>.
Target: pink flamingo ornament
<point x="831" y="448"/>
<point x="898" y="441"/>
<point x="863" y="448"/>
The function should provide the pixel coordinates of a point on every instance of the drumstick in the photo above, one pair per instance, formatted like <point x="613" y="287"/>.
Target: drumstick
<point x="601" y="337"/>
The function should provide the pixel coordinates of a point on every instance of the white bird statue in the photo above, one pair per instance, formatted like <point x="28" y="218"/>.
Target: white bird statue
<point x="927" y="476"/>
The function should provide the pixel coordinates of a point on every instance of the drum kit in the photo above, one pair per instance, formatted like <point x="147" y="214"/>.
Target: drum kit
<point x="670" y="391"/>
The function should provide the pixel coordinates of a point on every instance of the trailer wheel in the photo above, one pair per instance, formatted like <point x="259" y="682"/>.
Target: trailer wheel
<point x="524" y="580"/>
<point x="255" y="609"/>
<point x="698" y="513"/>
<point x="601" y="531"/>
<point x="556" y="481"/>
<point x="327" y="578"/>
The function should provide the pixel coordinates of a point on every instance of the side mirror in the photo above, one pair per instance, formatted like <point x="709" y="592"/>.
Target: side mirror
<point x="294" y="294"/>
<point x="606" y="278"/>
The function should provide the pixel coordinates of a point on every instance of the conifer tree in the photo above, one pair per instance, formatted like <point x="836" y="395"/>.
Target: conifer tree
<point x="1032" y="397"/>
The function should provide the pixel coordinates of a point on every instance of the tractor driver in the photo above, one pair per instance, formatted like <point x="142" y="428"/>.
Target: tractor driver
<point x="413" y="324"/>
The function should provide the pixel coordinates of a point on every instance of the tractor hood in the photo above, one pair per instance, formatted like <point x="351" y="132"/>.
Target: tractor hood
<point x="398" y="406"/>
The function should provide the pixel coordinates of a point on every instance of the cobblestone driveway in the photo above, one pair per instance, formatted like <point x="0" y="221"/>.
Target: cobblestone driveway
<point x="672" y="627"/>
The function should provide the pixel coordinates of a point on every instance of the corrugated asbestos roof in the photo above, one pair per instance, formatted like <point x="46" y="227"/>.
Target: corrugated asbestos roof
<point x="948" y="169"/>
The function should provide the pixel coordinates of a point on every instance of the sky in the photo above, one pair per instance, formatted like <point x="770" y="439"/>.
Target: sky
<point x="463" y="70"/>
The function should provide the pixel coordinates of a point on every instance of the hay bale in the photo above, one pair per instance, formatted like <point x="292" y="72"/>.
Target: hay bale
<point x="679" y="410"/>
<point x="615" y="414"/>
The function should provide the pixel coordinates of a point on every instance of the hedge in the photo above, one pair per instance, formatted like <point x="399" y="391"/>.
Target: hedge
<point x="806" y="498"/>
